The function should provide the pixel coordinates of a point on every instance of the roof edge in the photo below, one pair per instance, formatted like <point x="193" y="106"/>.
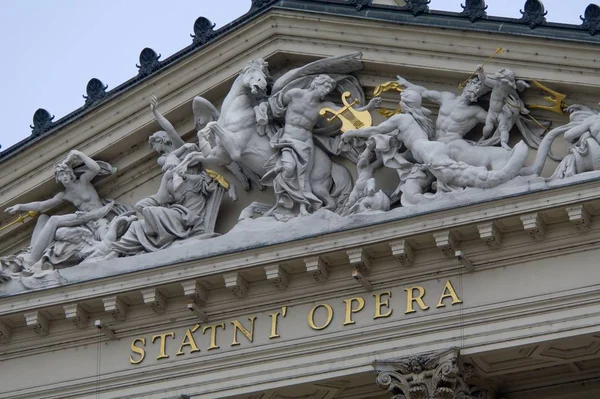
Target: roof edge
<point x="415" y="12"/>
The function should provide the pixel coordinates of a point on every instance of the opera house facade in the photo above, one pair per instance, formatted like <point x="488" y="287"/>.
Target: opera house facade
<point x="321" y="199"/>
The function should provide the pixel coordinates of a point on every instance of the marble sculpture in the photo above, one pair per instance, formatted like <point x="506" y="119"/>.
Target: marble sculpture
<point x="272" y="133"/>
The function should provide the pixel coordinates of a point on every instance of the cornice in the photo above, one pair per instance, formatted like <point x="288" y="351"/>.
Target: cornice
<point x="351" y="351"/>
<point x="180" y="263"/>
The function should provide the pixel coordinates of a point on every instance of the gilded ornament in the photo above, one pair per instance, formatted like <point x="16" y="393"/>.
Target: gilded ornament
<point x="387" y="86"/>
<point x="499" y="50"/>
<point x="350" y="117"/>
<point x="218" y="178"/>
<point x="20" y="219"/>
<point x="555" y="98"/>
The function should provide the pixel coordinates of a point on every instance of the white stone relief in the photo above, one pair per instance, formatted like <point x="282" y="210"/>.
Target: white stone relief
<point x="185" y="206"/>
<point x="273" y="138"/>
<point x="426" y="157"/>
<point x="583" y="135"/>
<point x="63" y="240"/>
<point x="505" y="104"/>
<point x="275" y="134"/>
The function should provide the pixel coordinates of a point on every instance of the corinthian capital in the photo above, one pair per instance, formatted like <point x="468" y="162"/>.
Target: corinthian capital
<point x="429" y="376"/>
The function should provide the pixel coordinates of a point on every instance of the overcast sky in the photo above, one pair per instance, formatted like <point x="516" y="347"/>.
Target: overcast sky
<point x="51" y="49"/>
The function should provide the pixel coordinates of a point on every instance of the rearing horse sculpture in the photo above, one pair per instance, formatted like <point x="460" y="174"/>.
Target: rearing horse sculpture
<point x="237" y="134"/>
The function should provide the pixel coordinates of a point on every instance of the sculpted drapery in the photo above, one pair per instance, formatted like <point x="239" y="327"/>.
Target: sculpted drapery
<point x="273" y="133"/>
<point x="181" y="216"/>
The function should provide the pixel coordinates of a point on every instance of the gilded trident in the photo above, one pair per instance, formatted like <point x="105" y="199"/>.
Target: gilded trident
<point x="555" y="98"/>
<point x="351" y="118"/>
<point x="20" y="219"/>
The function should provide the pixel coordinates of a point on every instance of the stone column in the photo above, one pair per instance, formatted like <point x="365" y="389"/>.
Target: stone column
<point x="430" y="376"/>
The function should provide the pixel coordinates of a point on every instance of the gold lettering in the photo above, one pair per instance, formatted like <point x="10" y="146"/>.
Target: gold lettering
<point x="213" y="334"/>
<point x="188" y="340"/>
<point x="311" y="316"/>
<point x="238" y="326"/>
<point x="274" y="319"/>
<point x="138" y="350"/>
<point x="419" y="299"/>
<point x="379" y="304"/>
<point x="163" y="344"/>
<point x="350" y="309"/>
<point x="451" y="293"/>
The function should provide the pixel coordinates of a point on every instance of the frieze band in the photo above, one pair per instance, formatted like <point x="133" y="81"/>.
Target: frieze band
<point x="292" y="135"/>
<point x="320" y="316"/>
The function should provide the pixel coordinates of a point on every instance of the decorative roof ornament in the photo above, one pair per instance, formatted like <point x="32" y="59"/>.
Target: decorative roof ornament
<point x="149" y="62"/>
<point x="591" y="19"/>
<point x="360" y="3"/>
<point x="417" y="6"/>
<point x="203" y="31"/>
<point x="96" y="91"/>
<point x="534" y="14"/>
<point x="258" y="4"/>
<point x="42" y="122"/>
<point x="474" y="9"/>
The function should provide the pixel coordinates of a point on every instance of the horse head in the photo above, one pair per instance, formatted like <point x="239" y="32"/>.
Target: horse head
<point x="255" y="76"/>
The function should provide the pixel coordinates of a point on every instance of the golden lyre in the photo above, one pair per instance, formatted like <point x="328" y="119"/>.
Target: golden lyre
<point x="498" y="51"/>
<point x="387" y="86"/>
<point x="218" y="178"/>
<point x="20" y="219"/>
<point x="351" y="118"/>
<point x="555" y="98"/>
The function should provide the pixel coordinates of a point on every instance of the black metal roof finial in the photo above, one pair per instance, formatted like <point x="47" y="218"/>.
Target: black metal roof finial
<point x="417" y="6"/>
<point x="96" y="91"/>
<point x="42" y="122"/>
<point x="203" y="31"/>
<point x="258" y="4"/>
<point x="149" y="62"/>
<point x="360" y="3"/>
<point x="534" y="13"/>
<point x="474" y="9"/>
<point x="591" y="19"/>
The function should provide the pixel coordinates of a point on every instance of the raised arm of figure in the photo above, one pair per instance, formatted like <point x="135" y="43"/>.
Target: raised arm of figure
<point x="165" y="124"/>
<point x="92" y="166"/>
<point x="190" y="159"/>
<point x="383" y="128"/>
<point x="579" y="107"/>
<point x="522" y="85"/>
<point x="38" y="206"/>
<point x="373" y="104"/>
<point x="483" y="77"/>
<point x="377" y="162"/>
<point x="289" y="96"/>
<point x="431" y="95"/>
<point x="185" y="149"/>
<point x="573" y="134"/>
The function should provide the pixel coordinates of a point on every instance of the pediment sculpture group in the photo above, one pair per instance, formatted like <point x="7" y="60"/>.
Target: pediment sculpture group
<point x="292" y="134"/>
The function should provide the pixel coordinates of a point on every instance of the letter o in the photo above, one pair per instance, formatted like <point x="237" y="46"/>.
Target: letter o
<point x="311" y="316"/>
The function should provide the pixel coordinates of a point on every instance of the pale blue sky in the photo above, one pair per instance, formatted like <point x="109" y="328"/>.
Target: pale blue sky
<point x="51" y="49"/>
